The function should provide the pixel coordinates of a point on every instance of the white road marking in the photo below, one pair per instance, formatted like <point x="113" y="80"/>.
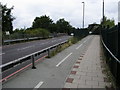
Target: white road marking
<point x="63" y="59"/>
<point x="53" y="40"/>
<point x="25" y="48"/>
<point x="84" y="41"/>
<point x="79" y="46"/>
<point x="38" y="85"/>
<point x="2" y="53"/>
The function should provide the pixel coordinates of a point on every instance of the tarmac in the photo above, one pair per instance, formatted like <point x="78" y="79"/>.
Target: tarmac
<point x="78" y="66"/>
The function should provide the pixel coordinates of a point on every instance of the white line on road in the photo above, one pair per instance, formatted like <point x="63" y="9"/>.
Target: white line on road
<point x="25" y="48"/>
<point x="54" y="41"/>
<point x="79" y="46"/>
<point x="2" y="53"/>
<point x="85" y="41"/>
<point x="63" y="59"/>
<point x="82" y="43"/>
<point x="38" y="85"/>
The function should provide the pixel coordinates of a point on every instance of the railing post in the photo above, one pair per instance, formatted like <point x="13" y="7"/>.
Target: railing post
<point x="48" y="53"/>
<point x="33" y="62"/>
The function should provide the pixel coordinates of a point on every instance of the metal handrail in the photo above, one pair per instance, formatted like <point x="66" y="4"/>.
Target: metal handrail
<point x="110" y="52"/>
<point x="41" y="51"/>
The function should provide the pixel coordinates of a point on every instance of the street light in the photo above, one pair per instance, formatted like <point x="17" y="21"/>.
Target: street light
<point x="83" y="12"/>
<point x="103" y="11"/>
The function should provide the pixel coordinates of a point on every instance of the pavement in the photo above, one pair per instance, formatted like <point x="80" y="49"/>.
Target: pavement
<point x="87" y="72"/>
<point x="78" y="66"/>
<point x="15" y="51"/>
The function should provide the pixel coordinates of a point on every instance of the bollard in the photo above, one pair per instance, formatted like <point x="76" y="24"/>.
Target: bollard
<point x="33" y="62"/>
<point x="48" y="53"/>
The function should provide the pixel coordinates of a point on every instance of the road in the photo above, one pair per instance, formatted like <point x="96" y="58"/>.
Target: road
<point x="13" y="52"/>
<point x="51" y="73"/>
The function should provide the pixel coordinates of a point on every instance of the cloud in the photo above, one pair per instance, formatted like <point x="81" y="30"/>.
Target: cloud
<point x="26" y="10"/>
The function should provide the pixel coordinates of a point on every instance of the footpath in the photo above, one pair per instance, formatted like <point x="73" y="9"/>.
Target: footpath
<point x="78" y="66"/>
<point x="87" y="72"/>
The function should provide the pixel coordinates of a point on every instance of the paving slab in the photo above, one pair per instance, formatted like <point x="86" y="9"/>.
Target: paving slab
<point x="89" y="71"/>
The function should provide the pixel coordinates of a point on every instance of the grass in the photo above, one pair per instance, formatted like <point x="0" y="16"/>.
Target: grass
<point x="110" y="78"/>
<point x="60" y="48"/>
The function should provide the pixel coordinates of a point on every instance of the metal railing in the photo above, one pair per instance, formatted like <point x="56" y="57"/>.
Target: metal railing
<point x="28" y="57"/>
<point x="110" y="41"/>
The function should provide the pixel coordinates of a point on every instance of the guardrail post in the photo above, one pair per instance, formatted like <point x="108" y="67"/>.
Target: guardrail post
<point x="33" y="62"/>
<point x="48" y="53"/>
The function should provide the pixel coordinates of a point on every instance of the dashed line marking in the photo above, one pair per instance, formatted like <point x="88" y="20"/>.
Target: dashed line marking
<point x="79" y="46"/>
<point x="38" y="85"/>
<point x="63" y="60"/>
<point x="84" y="41"/>
<point x="25" y="48"/>
<point x="4" y="79"/>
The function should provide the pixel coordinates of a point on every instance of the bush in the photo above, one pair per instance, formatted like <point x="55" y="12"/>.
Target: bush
<point x="38" y="32"/>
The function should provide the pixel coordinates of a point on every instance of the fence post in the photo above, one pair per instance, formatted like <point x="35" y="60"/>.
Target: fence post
<point x="48" y="53"/>
<point x="33" y="62"/>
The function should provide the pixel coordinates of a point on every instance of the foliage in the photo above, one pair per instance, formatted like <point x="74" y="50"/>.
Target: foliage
<point x="7" y="19"/>
<point x="39" y="32"/>
<point x="42" y="22"/>
<point x="63" y="26"/>
<point x="58" y="49"/>
<point x="108" y="22"/>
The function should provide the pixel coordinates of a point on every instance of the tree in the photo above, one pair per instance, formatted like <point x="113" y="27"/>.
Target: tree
<point x="108" y="22"/>
<point x="42" y="22"/>
<point x="53" y="28"/>
<point x="7" y="19"/>
<point x="63" y="26"/>
<point x="39" y="32"/>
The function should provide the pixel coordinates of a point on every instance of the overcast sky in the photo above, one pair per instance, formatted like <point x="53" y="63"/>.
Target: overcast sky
<point x="26" y="10"/>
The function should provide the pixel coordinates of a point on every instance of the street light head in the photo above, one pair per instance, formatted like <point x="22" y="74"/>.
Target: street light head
<point x="82" y="2"/>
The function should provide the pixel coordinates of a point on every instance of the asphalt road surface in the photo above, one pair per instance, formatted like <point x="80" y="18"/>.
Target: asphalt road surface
<point x="13" y="52"/>
<point x="51" y="73"/>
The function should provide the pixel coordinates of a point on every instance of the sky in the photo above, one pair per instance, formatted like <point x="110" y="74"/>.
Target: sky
<point x="119" y="12"/>
<point x="25" y="11"/>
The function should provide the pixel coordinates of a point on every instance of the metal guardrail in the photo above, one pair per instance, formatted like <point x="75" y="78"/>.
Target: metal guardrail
<point x="110" y="52"/>
<point x="113" y="62"/>
<point x="28" y="57"/>
<point x="23" y="39"/>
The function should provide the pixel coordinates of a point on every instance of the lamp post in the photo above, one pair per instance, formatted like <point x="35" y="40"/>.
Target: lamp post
<point x="103" y="11"/>
<point x="83" y="13"/>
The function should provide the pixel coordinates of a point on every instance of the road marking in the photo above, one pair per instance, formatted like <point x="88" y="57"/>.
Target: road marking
<point x="25" y="48"/>
<point x="82" y="44"/>
<point x="38" y="85"/>
<point x="79" y="46"/>
<point x="2" y="53"/>
<point x="21" y="69"/>
<point x="53" y="40"/>
<point x="63" y="59"/>
<point x="84" y="41"/>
